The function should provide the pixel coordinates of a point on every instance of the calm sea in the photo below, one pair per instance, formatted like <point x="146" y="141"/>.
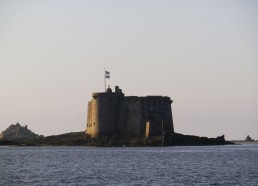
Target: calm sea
<point x="205" y="165"/>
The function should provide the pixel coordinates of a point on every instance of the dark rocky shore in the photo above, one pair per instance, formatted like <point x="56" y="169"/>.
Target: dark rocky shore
<point x="80" y="139"/>
<point x="21" y="136"/>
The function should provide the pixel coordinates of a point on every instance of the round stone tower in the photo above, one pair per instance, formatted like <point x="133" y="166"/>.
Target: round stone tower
<point x="102" y="113"/>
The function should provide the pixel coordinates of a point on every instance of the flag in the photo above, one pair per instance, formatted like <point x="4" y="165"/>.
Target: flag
<point x="107" y="74"/>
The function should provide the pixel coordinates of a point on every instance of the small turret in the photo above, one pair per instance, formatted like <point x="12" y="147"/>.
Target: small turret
<point x="109" y="90"/>
<point x="118" y="90"/>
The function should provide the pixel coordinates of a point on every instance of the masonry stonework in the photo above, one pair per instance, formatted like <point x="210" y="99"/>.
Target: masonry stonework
<point x="112" y="113"/>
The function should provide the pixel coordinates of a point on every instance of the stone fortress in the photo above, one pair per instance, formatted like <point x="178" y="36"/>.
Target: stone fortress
<point x="113" y="113"/>
<point x="117" y="120"/>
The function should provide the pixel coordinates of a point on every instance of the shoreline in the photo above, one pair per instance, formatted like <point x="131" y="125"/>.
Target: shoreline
<point x="81" y="139"/>
<point x="240" y="142"/>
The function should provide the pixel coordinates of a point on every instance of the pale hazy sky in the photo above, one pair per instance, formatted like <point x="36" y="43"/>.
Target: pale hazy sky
<point x="203" y="54"/>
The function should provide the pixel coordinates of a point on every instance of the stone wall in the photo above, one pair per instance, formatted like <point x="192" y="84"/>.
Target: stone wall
<point x="103" y="114"/>
<point x="111" y="113"/>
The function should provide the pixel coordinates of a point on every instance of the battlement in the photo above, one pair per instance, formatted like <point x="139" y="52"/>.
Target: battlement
<point x="112" y="113"/>
<point x="108" y="93"/>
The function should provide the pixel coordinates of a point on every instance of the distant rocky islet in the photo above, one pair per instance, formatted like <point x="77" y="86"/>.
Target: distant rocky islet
<point x="16" y="131"/>
<point x="248" y="139"/>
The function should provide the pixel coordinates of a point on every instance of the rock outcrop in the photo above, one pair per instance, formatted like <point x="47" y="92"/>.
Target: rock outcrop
<point x="17" y="132"/>
<point x="81" y="139"/>
<point x="248" y="138"/>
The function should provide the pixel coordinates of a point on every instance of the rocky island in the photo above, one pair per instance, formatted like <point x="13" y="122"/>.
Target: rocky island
<point x="81" y="139"/>
<point x="16" y="131"/>
<point x="114" y="119"/>
<point x="248" y="139"/>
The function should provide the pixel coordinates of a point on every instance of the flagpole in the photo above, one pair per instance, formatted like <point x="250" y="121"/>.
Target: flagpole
<point x="105" y="79"/>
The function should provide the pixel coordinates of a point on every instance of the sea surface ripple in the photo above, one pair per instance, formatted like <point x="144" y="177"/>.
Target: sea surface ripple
<point x="203" y="165"/>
